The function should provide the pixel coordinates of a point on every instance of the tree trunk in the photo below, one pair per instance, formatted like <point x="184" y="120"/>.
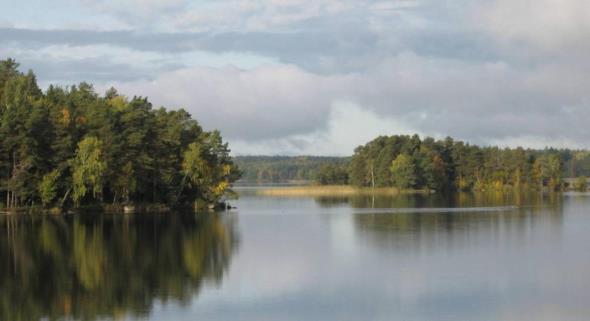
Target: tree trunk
<point x="12" y="178"/>
<point x="373" y="176"/>
<point x="63" y="200"/>
<point x="181" y="187"/>
<point x="154" y="184"/>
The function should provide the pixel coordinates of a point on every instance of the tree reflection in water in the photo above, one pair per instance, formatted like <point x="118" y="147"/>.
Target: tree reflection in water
<point x="440" y="200"/>
<point x="420" y="221"/>
<point x="99" y="266"/>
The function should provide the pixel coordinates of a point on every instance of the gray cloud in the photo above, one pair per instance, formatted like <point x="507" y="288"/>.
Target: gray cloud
<point x="480" y="102"/>
<point x="333" y="49"/>
<point x="316" y="50"/>
<point x="487" y="72"/>
<point x="163" y="42"/>
<point x="90" y="70"/>
<point x="272" y="101"/>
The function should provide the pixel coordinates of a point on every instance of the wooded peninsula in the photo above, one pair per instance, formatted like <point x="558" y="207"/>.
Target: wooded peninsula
<point x="70" y="147"/>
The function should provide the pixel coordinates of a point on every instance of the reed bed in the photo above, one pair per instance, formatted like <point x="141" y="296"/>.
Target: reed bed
<point x="330" y="190"/>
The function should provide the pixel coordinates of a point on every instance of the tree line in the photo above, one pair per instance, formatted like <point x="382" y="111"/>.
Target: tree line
<point x="409" y="162"/>
<point x="70" y="147"/>
<point x="273" y="169"/>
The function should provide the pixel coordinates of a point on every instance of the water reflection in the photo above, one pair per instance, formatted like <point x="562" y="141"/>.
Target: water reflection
<point x="308" y="259"/>
<point x="344" y="259"/>
<point x="427" y="222"/>
<point x="441" y="200"/>
<point x="90" y="267"/>
<point x="462" y="221"/>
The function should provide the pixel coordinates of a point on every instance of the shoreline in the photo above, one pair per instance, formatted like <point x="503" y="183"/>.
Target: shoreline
<point x="138" y="208"/>
<point x="333" y="190"/>
<point x="348" y="190"/>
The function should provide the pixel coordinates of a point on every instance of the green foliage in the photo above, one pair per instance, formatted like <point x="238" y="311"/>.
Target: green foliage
<point x="48" y="187"/>
<point x="403" y="172"/>
<point x="194" y="165"/>
<point x="454" y="165"/>
<point x="88" y="169"/>
<point x="265" y="169"/>
<point x="554" y="172"/>
<point x="581" y="184"/>
<point x="209" y="167"/>
<point x="330" y="174"/>
<point x="108" y="148"/>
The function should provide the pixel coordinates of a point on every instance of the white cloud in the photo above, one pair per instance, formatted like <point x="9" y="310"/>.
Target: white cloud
<point x="282" y="108"/>
<point x="549" y="25"/>
<point x="268" y="101"/>
<point x="235" y="15"/>
<point x="147" y="14"/>
<point x="324" y="76"/>
<point x="348" y="126"/>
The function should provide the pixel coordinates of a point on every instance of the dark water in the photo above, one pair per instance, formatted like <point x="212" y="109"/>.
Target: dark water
<point x="464" y="257"/>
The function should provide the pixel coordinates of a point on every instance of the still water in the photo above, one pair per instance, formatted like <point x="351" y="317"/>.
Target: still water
<point x="460" y="257"/>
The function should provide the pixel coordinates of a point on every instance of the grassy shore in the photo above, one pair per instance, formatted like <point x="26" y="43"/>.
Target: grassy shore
<point x="332" y="190"/>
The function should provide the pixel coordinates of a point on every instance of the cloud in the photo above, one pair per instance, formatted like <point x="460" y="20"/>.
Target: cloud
<point x="314" y="50"/>
<point x="321" y="36"/>
<point x="268" y="101"/>
<point x="285" y="108"/>
<point x="318" y="51"/>
<point x="548" y="25"/>
<point x="339" y="37"/>
<point x="66" y="65"/>
<point x="348" y="125"/>
<point x="274" y="75"/>
<point x="146" y="14"/>
<point x="227" y="15"/>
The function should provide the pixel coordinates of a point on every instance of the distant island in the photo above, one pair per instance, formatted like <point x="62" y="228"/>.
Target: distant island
<point x="411" y="163"/>
<point x="70" y="148"/>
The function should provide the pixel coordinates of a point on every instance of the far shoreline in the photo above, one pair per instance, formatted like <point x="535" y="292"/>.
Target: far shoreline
<point x="332" y="190"/>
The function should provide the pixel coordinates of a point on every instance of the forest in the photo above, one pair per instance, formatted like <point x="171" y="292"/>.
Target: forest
<point x="274" y="169"/>
<point x="408" y="162"/>
<point x="71" y="147"/>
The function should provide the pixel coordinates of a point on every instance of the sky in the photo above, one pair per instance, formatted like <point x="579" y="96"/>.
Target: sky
<point x="324" y="76"/>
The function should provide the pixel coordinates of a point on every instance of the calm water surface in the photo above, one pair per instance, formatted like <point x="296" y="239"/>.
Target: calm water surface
<point x="464" y="257"/>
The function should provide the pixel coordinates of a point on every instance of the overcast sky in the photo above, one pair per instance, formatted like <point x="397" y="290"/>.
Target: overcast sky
<point x="323" y="76"/>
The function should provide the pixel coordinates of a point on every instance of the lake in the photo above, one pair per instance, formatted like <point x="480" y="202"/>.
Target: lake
<point x="409" y="257"/>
